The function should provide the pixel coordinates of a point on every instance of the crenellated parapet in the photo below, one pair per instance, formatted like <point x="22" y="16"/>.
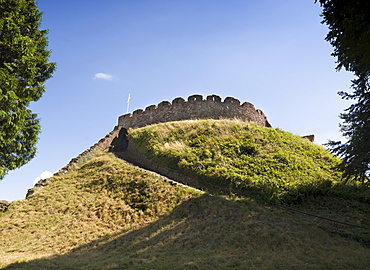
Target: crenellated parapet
<point x="194" y="108"/>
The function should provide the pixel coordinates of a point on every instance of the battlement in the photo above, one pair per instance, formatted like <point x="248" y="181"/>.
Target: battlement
<point x="194" y="108"/>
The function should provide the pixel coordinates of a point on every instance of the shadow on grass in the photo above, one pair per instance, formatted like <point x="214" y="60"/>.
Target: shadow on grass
<point x="210" y="232"/>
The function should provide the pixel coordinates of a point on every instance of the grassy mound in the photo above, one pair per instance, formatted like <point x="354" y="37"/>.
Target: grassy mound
<point x="103" y="196"/>
<point x="212" y="232"/>
<point x="275" y="164"/>
<point x="107" y="214"/>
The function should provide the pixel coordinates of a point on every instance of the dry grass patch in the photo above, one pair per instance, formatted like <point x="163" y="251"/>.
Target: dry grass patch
<point x="212" y="232"/>
<point x="103" y="196"/>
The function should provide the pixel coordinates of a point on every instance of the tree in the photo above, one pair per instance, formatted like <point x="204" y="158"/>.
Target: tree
<point x="24" y="67"/>
<point x="349" y="34"/>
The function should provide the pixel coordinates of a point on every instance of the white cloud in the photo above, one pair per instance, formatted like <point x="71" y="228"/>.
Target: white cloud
<point x="103" y="76"/>
<point x="43" y="175"/>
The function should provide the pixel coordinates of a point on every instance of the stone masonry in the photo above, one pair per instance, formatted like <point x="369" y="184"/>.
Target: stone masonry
<point x="194" y="108"/>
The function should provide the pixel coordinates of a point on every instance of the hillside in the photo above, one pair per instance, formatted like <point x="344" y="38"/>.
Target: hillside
<point x="108" y="214"/>
<point x="267" y="162"/>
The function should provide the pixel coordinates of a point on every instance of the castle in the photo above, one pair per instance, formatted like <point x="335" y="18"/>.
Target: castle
<point x="194" y="108"/>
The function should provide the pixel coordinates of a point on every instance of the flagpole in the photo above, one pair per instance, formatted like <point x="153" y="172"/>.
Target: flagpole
<point x="128" y="102"/>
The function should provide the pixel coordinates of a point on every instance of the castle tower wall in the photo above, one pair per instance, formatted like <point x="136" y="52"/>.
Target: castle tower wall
<point x="194" y="108"/>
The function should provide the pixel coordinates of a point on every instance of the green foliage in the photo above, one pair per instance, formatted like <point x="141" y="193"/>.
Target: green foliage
<point x="275" y="164"/>
<point x="24" y="67"/>
<point x="348" y="22"/>
<point x="349" y="34"/>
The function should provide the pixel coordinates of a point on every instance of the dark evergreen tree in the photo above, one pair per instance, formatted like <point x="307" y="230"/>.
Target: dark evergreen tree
<point x="349" y="34"/>
<point x="24" y="67"/>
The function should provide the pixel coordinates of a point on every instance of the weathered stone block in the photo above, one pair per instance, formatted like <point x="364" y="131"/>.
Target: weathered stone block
<point x="138" y="111"/>
<point x="214" y="98"/>
<point x="164" y="104"/>
<point x="195" y="98"/>
<point x="150" y="108"/>
<point x="232" y="100"/>
<point x="178" y="100"/>
<point x="4" y="205"/>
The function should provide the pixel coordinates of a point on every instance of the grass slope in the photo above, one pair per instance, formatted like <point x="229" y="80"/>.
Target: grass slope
<point x="106" y="214"/>
<point x="272" y="163"/>
<point x="211" y="232"/>
<point x="103" y="196"/>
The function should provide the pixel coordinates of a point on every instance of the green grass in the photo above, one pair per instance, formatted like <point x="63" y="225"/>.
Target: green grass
<point x="212" y="232"/>
<point x="101" y="197"/>
<point x="272" y="163"/>
<point x="107" y="214"/>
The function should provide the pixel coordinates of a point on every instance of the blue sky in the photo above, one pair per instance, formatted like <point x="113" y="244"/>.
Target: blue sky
<point x="268" y="52"/>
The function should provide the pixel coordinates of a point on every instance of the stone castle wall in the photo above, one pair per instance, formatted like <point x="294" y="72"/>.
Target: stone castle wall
<point x="194" y="108"/>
